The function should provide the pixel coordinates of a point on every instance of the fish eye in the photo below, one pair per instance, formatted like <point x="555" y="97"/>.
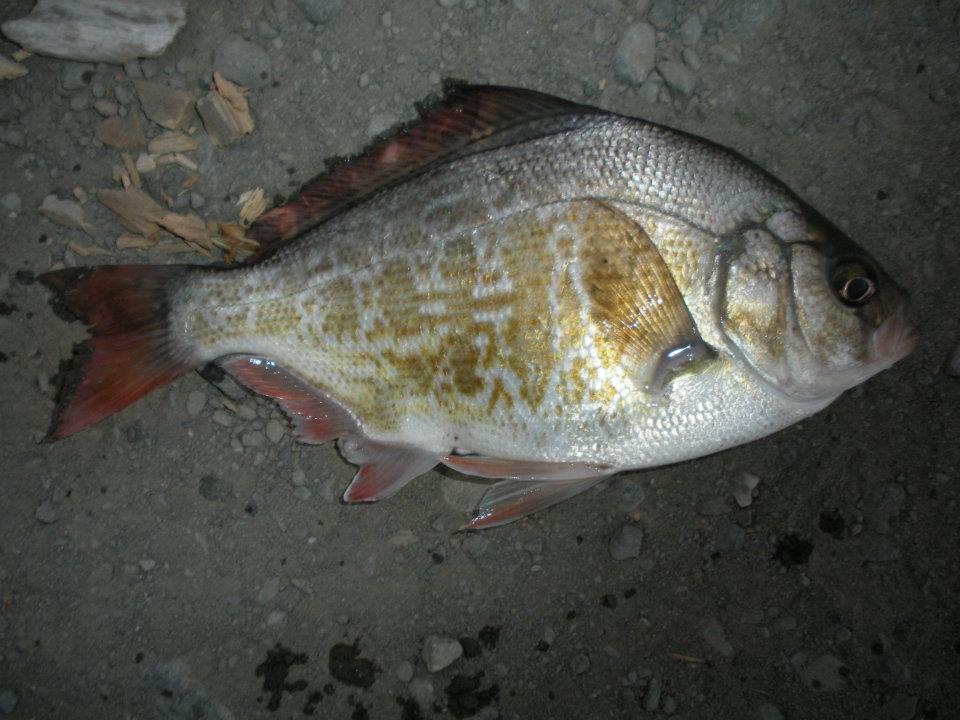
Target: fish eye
<point x="853" y="283"/>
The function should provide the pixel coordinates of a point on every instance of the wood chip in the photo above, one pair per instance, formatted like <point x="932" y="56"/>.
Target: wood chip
<point x="131" y="169"/>
<point x="225" y="112"/>
<point x="21" y="54"/>
<point x="122" y="133"/>
<point x="172" y="142"/>
<point x="191" y="228"/>
<point x="146" y="163"/>
<point x="188" y="183"/>
<point x="166" y="106"/>
<point x="86" y="250"/>
<point x="10" y="70"/>
<point x="688" y="658"/>
<point x="184" y="162"/>
<point x="252" y="204"/>
<point x="138" y="212"/>
<point x="134" y="242"/>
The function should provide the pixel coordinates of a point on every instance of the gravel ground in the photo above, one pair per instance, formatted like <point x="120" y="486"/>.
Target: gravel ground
<point x="188" y="559"/>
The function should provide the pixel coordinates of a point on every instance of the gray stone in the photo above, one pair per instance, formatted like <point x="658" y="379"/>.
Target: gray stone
<point x="196" y="401"/>
<point x="651" y="699"/>
<point x="790" y="114"/>
<point x="903" y="707"/>
<point x="46" y="512"/>
<point x="274" y="431"/>
<point x="197" y="201"/>
<point x="11" y="202"/>
<point x="276" y="617"/>
<point x="12" y="136"/>
<point x="214" y="488"/>
<point x="448" y="3"/>
<point x="319" y="11"/>
<point x="404" y="671"/>
<point x="766" y="711"/>
<point x="462" y="495"/>
<point x="952" y="366"/>
<point x="743" y="488"/>
<point x="579" y="664"/>
<point x="475" y="545"/>
<point x="883" y="505"/>
<point x="269" y="590"/>
<point x="74" y="75"/>
<point x="712" y="506"/>
<point x="669" y="705"/>
<point x="242" y="61"/>
<point x="636" y="54"/>
<point x="731" y="538"/>
<point x="753" y="18"/>
<point x="421" y="690"/>
<point x="8" y="701"/>
<point x="662" y="14"/>
<point x="147" y="564"/>
<point x="895" y="673"/>
<point x="106" y="108"/>
<point x="716" y="638"/>
<point x="626" y="542"/>
<point x="825" y="673"/>
<point x="691" y="58"/>
<point x="678" y="76"/>
<point x="691" y="30"/>
<point x="301" y="493"/>
<point x="79" y="103"/>
<point x="440" y="652"/>
<point x="166" y="106"/>
<point x="222" y="417"/>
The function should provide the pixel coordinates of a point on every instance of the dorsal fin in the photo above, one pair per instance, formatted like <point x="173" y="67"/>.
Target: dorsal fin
<point x="447" y="128"/>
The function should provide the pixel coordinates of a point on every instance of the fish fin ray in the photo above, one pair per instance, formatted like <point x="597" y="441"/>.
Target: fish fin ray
<point x="466" y="118"/>
<point x="384" y="468"/>
<point x="317" y="417"/>
<point x="511" y="500"/>
<point x="131" y="350"/>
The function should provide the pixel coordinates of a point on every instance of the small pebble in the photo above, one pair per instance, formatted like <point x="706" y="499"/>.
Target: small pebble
<point x="952" y="366"/>
<point x="197" y="201"/>
<point x="404" y="671"/>
<point x="196" y="401"/>
<point x="74" y="75"/>
<point x="8" y="701"/>
<point x="636" y="54"/>
<point x="662" y="14"/>
<point x="147" y="564"/>
<point x="766" y="711"/>
<point x="651" y="699"/>
<point x="677" y="76"/>
<point x="421" y="689"/>
<point x="825" y="673"/>
<point x="46" y="513"/>
<point x="669" y="705"/>
<point x="222" y="417"/>
<point x="716" y="638"/>
<point x="276" y="617"/>
<point x="268" y="591"/>
<point x="301" y="493"/>
<point x="106" y="108"/>
<point x="626" y="542"/>
<point x="78" y="103"/>
<point x="579" y="664"/>
<point x="691" y="30"/>
<point x="11" y="201"/>
<point x="274" y="431"/>
<point x="743" y="488"/>
<point x="440" y="652"/>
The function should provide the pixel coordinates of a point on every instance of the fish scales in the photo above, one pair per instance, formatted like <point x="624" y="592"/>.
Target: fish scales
<point x="585" y="292"/>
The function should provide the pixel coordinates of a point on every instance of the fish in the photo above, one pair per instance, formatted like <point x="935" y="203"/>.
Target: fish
<point x="521" y="288"/>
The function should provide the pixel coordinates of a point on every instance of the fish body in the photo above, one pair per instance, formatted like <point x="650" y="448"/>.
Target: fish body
<point x="538" y="292"/>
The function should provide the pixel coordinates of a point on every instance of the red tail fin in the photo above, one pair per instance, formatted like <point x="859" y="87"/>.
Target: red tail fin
<point x="131" y="351"/>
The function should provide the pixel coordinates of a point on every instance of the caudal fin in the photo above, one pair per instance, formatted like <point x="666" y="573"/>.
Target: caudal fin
<point x="131" y="351"/>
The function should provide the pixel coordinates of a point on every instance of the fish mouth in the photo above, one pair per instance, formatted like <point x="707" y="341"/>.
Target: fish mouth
<point x="895" y="338"/>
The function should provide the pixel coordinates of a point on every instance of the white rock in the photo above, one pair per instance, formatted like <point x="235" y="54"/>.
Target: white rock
<point x="440" y="652"/>
<point x="636" y="53"/>
<point x="111" y="31"/>
<point x="742" y="489"/>
<point x="66" y="213"/>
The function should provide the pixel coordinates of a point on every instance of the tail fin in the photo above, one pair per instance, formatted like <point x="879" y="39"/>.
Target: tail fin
<point x="131" y="351"/>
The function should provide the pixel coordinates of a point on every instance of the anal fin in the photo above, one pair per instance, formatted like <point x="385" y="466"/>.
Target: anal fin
<point x="384" y="468"/>
<point x="511" y="500"/>
<point x="317" y="417"/>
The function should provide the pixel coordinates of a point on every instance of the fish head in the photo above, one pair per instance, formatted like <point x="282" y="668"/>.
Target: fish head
<point x="808" y="310"/>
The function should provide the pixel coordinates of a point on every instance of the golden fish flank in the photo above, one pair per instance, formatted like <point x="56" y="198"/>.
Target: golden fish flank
<point x="520" y="288"/>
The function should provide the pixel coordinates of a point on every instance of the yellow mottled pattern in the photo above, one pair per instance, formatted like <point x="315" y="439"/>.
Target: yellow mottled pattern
<point x="512" y="324"/>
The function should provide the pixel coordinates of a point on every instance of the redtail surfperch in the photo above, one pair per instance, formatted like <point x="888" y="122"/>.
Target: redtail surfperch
<point x="516" y="286"/>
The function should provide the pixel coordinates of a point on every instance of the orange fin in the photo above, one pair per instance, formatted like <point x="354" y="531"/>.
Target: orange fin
<point x="317" y="417"/>
<point x="502" y="469"/>
<point x="467" y="119"/>
<point x="511" y="500"/>
<point x="131" y="351"/>
<point x="384" y="468"/>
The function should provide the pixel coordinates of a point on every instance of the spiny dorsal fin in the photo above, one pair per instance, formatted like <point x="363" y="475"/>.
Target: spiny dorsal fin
<point x="464" y="116"/>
